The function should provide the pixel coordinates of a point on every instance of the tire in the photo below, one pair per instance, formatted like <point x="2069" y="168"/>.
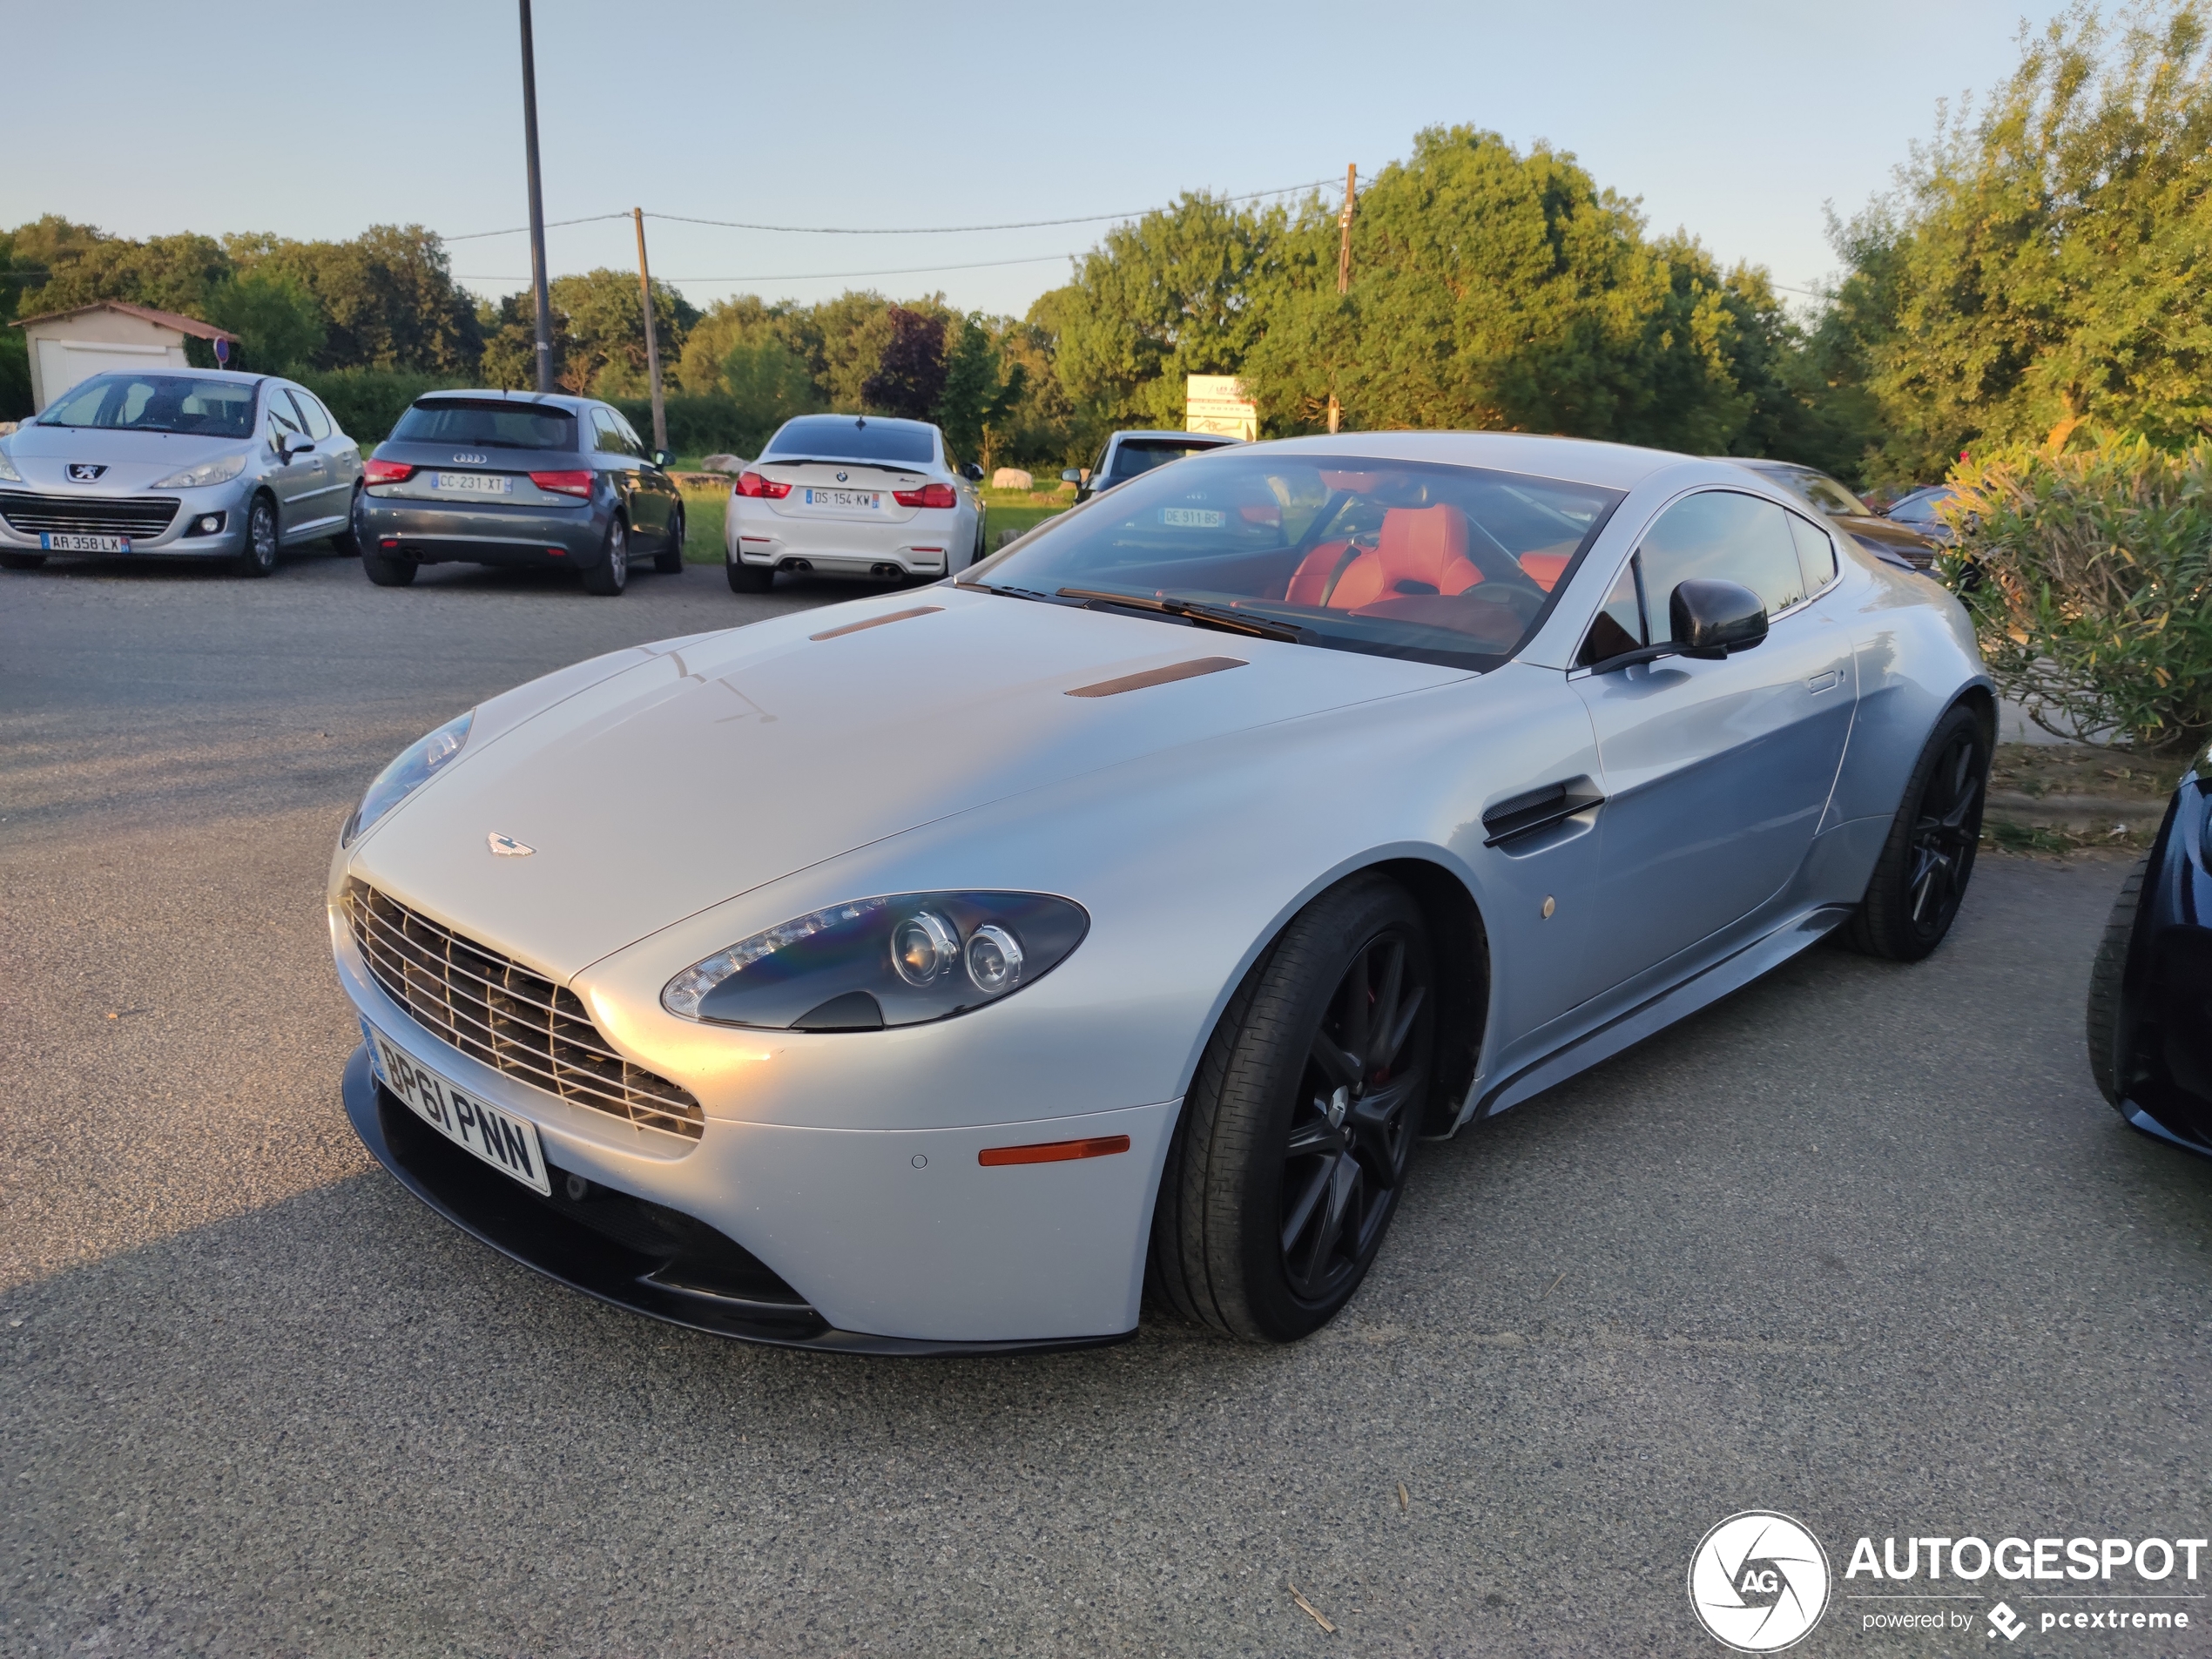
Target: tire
<point x="21" y="561"/>
<point x="1267" y="1150"/>
<point x="749" y="578"/>
<point x="611" y="573"/>
<point x="259" y="556"/>
<point x="1929" y="857"/>
<point x="346" y="541"/>
<point x="386" y="571"/>
<point x="669" y="560"/>
<point x="2105" y="976"/>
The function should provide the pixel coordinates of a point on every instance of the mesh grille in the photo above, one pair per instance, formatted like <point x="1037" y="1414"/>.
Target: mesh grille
<point x="499" y="1012"/>
<point x="143" y="515"/>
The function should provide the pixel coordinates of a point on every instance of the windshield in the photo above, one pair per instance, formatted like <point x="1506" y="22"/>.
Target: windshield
<point x="490" y="423"/>
<point x="1399" y="558"/>
<point x="1141" y="455"/>
<point x="1919" y="507"/>
<point x="845" y="437"/>
<point x="157" y="403"/>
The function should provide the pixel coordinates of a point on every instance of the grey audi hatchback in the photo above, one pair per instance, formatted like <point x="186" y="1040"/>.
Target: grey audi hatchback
<point x="513" y="478"/>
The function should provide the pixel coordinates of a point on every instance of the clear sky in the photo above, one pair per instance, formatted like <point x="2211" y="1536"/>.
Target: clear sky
<point x="1735" y="121"/>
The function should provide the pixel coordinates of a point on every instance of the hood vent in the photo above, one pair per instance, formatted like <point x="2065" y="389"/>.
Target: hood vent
<point x="876" y="621"/>
<point x="1167" y="676"/>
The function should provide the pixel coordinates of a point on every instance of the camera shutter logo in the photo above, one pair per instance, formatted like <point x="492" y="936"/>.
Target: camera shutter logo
<point x="1758" y="1582"/>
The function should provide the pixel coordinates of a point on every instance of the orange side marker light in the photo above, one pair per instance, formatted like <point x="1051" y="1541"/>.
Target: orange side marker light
<point x="1053" y="1151"/>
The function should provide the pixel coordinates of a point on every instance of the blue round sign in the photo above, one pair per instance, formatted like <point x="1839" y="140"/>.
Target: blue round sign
<point x="222" y="350"/>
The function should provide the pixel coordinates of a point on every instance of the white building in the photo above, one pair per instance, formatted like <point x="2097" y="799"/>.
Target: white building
<point x="67" y="347"/>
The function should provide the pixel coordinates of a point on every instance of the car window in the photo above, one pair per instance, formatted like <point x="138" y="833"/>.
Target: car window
<point x="318" y="423"/>
<point x="1416" y="559"/>
<point x="1722" y="535"/>
<point x="629" y="433"/>
<point x="487" y="423"/>
<point x="606" y="438"/>
<point x="1816" y="553"/>
<point x="1619" y="625"/>
<point x="283" y="416"/>
<point x="157" y="403"/>
<point x="848" y="437"/>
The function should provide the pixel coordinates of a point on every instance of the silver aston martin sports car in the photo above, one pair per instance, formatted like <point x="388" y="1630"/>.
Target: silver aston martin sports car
<point x="1124" y="911"/>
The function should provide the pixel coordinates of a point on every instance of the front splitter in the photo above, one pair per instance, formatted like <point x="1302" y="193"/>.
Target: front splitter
<point x="496" y="1209"/>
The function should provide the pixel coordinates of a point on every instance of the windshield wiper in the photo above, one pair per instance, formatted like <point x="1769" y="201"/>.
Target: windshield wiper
<point x="1201" y="616"/>
<point x="1010" y="592"/>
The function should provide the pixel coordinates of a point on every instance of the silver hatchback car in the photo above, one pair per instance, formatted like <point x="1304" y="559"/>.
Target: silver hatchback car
<point x="197" y="463"/>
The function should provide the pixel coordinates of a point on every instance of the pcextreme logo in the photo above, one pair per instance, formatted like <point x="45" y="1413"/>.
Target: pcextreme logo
<point x="1758" y="1582"/>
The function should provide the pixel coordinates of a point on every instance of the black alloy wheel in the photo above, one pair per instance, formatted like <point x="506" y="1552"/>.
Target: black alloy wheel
<point x="1352" y="1129"/>
<point x="1929" y="857"/>
<point x="669" y="560"/>
<point x="1292" y="1152"/>
<point x="259" y="556"/>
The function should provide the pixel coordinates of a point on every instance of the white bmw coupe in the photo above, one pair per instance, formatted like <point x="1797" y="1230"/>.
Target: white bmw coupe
<point x="851" y="494"/>
<point x="1130" y="905"/>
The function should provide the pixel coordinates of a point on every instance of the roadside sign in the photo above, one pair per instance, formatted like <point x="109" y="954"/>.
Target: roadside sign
<point x="1218" y="403"/>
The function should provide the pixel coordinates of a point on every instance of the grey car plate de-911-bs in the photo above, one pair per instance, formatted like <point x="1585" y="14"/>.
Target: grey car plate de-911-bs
<point x="867" y="499"/>
<point x="508" y="1143"/>
<point x="477" y="483"/>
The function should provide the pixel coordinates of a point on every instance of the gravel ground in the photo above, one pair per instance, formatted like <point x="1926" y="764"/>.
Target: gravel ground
<point x="1860" y="1244"/>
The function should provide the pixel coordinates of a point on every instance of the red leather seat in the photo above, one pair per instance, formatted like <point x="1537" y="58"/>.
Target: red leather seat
<point x="1544" y="568"/>
<point x="1316" y="574"/>
<point x="1424" y="547"/>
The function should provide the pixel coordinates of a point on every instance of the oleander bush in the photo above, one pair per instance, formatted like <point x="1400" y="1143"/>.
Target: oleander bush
<point x="2088" y="572"/>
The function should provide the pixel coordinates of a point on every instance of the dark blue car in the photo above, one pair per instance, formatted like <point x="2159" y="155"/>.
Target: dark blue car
<point x="2150" y="993"/>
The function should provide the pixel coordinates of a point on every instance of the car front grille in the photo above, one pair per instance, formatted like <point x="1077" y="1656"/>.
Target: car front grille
<point x="140" y="515"/>
<point x="498" y="1011"/>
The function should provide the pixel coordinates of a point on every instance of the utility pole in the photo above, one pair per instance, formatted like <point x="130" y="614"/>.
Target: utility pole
<point x="652" y="341"/>
<point x="537" y="209"/>
<point x="1344" y="255"/>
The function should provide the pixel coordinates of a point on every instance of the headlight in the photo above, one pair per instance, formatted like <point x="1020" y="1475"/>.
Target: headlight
<point x="877" y="962"/>
<point x="208" y="472"/>
<point x="7" y="473"/>
<point x="413" y="768"/>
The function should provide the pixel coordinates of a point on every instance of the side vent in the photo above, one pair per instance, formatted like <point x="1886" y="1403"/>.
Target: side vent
<point x="1520" y="817"/>
<point x="1167" y="676"/>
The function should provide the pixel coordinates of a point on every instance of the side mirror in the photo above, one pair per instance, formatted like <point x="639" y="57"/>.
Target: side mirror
<point x="664" y="459"/>
<point x="294" y="443"/>
<point x="973" y="473"/>
<point x="1071" y="476"/>
<point x="1710" y="618"/>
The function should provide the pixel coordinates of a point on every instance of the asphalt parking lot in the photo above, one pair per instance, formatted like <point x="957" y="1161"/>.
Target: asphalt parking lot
<point x="1860" y="1244"/>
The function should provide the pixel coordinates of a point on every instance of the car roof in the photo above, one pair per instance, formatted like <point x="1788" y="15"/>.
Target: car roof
<point x="1179" y="437"/>
<point x="1583" y="461"/>
<point x="872" y="420"/>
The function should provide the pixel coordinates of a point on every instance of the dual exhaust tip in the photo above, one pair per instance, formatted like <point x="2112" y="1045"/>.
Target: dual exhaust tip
<point x="882" y="567"/>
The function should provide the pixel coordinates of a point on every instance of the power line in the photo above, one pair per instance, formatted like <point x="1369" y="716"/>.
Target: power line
<point x="850" y="230"/>
<point x="825" y="276"/>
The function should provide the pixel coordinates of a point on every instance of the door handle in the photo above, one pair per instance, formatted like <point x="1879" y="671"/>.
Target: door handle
<point x="1521" y="816"/>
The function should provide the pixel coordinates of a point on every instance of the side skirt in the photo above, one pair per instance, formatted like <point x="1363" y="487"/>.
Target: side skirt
<point x="1624" y="1031"/>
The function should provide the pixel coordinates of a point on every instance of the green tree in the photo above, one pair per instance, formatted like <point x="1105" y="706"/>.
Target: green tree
<point x="981" y="390"/>
<point x="602" y="344"/>
<point x="169" y="272"/>
<point x="275" y="317"/>
<point x="767" y="382"/>
<point x="2045" y="262"/>
<point x="1492" y="289"/>
<point x="387" y="297"/>
<point x="1183" y="290"/>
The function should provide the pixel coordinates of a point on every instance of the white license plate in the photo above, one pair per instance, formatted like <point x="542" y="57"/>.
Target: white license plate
<point x="866" y="500"/>
<point x="85" y="543"/>
<point x="477" y="483"/>
<point x="1193" y="518"/>
<point x="508" y="1143"/>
